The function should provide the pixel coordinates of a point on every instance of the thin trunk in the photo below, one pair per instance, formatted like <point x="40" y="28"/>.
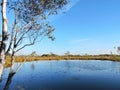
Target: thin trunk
<point x="12" y="63"/>
<point x="4" y="37"/>
<point x="13" y="53"/>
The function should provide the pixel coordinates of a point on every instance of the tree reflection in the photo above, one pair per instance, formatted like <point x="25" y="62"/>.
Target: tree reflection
<point x="32" y="66"/>
<point x="9" y="80"/>
<point x="11" y="74"/>
<point x="1" y="71"/>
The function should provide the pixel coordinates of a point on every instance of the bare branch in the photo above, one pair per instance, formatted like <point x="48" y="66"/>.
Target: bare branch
<point x="12" y="36"/>
<point x="32" y="43"/>
<point x="25" y="46"/>
<point x="19" y="40"/>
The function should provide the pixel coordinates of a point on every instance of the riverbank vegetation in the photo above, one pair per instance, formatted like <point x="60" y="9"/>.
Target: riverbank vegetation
<point x="35" y="57"/>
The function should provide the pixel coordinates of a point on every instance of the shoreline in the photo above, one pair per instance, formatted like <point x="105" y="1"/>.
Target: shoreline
<point x="38" y="58"/>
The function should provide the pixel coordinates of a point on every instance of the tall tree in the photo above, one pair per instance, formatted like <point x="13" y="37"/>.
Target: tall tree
<point x="4" y="36"/>
<point x="29" y="25"/>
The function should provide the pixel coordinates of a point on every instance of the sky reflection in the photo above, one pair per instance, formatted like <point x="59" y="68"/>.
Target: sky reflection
<point x="66" y="75"/>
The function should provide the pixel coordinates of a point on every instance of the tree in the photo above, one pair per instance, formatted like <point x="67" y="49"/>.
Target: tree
<point x="33" y="53"/>
<point x="30" y="24"/>
<point x="4" y="37"/>
<point x="118" y="50"/>
<point x="67" y="53"/>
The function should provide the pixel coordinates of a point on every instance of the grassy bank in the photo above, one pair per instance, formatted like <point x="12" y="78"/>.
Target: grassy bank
<point x="73" y="57"/>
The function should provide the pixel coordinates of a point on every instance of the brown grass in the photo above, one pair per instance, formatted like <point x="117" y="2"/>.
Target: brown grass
<point x="36" y="58"/>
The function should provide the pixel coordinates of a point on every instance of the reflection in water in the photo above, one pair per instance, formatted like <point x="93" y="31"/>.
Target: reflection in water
<point x="10" y="76"/>
<point x="65" y="75"/>
<point x="1" y="71"/>
<point x="9" y="80"/>
<point x="32" y="66"/>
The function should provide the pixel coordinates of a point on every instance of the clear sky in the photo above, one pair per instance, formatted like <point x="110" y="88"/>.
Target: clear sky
<point x="88" y="26"/>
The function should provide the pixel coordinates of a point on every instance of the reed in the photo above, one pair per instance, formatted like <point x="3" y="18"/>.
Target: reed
<point x="73" y="57"/>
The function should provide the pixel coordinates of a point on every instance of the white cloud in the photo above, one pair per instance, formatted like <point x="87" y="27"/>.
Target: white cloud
<point x="70" y="5"/>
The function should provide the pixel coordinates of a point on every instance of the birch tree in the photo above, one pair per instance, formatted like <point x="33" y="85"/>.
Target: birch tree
<point x="4" y="36"/>
<point x="30" y="24"/>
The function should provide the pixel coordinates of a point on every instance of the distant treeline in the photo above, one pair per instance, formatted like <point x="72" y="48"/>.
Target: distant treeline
<point x="28" y="58"/>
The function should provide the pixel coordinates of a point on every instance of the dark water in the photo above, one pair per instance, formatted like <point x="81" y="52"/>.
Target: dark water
<point x="65" y="75"/>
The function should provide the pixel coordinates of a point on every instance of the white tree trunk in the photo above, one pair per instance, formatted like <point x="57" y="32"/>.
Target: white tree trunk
<point x="12" y="62"/>
<point x="4" y="37"/>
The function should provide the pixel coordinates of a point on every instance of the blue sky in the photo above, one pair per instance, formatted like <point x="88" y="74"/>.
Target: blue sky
<point x="88" y="26"/>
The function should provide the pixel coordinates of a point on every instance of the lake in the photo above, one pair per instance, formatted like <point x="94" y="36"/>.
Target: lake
<point x="65" y="75"/>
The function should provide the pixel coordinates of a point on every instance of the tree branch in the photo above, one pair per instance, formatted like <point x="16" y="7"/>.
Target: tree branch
<point x="12" y="36"/>
<point x="22" y="36"/>
<point x="32" y="43"/>
<point x="25" y="46"/>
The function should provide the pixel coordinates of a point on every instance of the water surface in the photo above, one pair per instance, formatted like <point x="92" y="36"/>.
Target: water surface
<point x="65" y="75"/>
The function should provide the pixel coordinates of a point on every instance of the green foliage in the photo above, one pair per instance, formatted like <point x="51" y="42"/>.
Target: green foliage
<point x="28" y="9"/>
<point x="45" y="55"/>
<point x="33" y="53"/>
<point x="30" y="23"/>
<point x="67" y="53"/>
<point x="32" y="15"/>
<point x="53" y="54"/>
<point x="49" y="55"/>
<point x="118" y="49"/>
